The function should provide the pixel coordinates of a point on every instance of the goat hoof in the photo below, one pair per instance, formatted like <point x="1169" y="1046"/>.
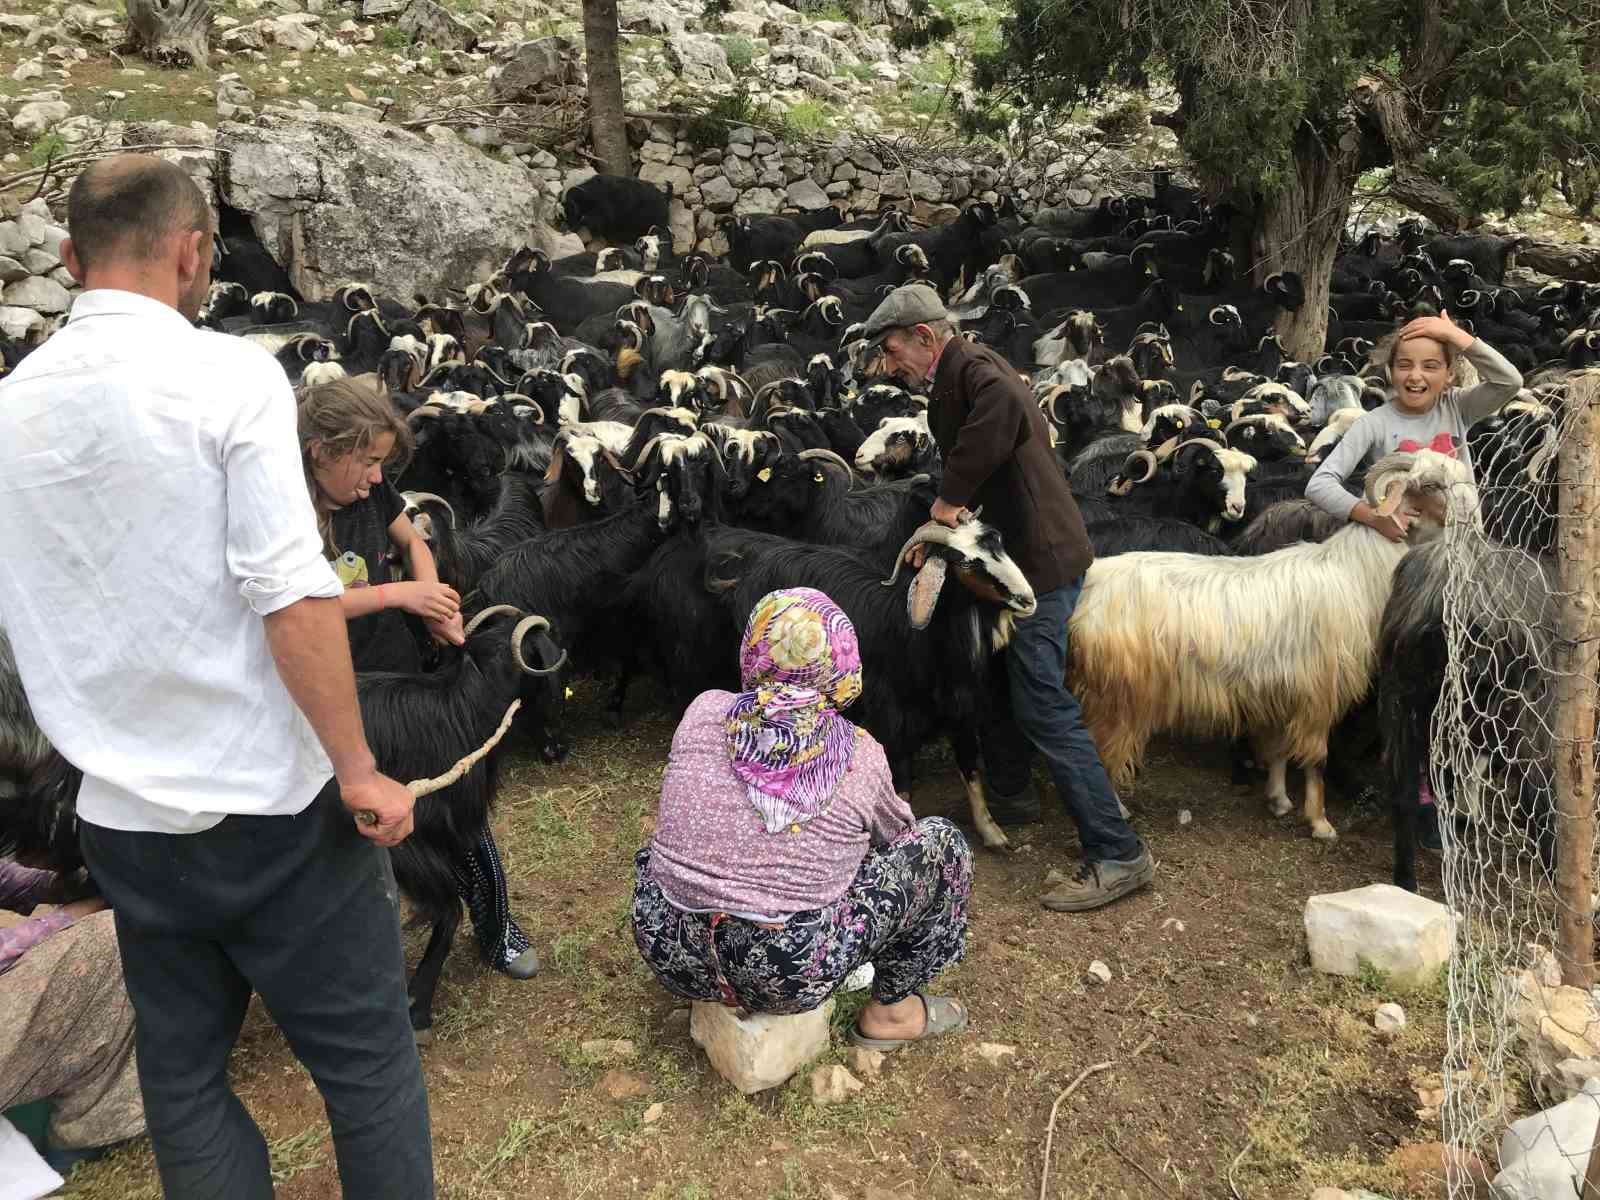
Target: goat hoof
<point x="424" y="1037"/>
<point x="1280" y="808"/>
<point x="1324" y="832"/>
<point x="997" y="841"/>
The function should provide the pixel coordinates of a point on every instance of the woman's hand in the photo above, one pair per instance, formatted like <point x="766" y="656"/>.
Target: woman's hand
<point x="1441" y="329"/>
<point x="448" y="632"/>
<point x="431" y="601"/>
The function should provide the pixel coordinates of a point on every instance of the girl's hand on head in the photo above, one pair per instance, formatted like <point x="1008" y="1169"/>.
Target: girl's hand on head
<point x="1441" y="329"/>
<point x="430" y="601"/>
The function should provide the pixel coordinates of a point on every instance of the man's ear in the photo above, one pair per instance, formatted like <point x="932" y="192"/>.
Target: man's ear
<point x="70" y="259"/>
<point x="191" y="247"/>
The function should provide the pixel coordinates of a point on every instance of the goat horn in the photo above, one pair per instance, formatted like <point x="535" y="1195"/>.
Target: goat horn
<point x="1147" y="458"/>
<point x="826" y="456"/>
<point x="644" y="451"/>
<point x="426" y="787"/>
<point x="486" y="613"/>
<point x="425" y="410"/>
<point x="520" y="632"/>
<point x="1386" y="491"/>
<point x="929" y="532"/>
<point x="416" y="499"/>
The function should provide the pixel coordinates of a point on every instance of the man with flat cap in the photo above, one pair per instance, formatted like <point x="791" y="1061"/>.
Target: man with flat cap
<point x="997" y="456"/>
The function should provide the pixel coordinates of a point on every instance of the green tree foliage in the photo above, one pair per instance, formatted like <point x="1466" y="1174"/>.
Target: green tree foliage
<point x="1503" y="101"/>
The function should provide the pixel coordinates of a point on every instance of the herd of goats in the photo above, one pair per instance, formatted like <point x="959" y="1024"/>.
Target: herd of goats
<point x="633" y="446"/>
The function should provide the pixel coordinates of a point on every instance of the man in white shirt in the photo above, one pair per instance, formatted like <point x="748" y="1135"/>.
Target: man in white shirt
<point x="179" y="637"/>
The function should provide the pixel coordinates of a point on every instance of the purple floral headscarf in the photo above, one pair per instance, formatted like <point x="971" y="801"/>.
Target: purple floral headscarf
<point x="800" y="663"/>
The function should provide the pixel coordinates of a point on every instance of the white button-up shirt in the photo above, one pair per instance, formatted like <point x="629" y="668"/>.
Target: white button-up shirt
<point x="154" y="509"/>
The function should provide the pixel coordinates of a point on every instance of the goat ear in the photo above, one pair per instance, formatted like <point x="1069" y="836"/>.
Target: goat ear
<point x="923" y="595"/>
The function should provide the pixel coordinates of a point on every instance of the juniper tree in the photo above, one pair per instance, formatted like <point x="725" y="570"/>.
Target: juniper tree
<point x="1470" y="106"/>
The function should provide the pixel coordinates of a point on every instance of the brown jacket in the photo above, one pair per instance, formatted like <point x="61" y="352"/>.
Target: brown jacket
<point x="996" y="449"/>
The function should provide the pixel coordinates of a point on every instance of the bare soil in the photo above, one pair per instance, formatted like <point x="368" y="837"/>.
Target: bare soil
<point x="1235" y="1069"/>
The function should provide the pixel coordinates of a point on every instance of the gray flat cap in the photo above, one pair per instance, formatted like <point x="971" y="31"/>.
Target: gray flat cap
<point x="913" y="304"/>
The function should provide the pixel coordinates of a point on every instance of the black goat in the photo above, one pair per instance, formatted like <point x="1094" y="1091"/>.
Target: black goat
<point x="617" y="208"/>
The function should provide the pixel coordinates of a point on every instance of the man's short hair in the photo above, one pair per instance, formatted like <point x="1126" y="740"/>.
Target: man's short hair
<point x="125" y="207"/>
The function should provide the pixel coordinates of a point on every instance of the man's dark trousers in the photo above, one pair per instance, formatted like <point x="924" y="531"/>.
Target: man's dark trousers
<point x="304" y="911"/>
<point x="1043" y="714"/>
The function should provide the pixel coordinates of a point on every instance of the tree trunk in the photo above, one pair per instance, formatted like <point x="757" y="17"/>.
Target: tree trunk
<point x="1297" y="229"/>
<point x="170" y="32"/>
<point x="1412" y="183"/>
<point x="607" y="123"/>
<point x="1561" y="259"/>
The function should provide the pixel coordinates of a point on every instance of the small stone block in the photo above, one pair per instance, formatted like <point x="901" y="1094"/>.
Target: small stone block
<point x="1406" y="936"/>
<point x="756" y="1051"/>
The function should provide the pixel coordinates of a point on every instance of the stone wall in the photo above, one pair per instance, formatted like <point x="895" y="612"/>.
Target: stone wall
<point x="34" y="287"/>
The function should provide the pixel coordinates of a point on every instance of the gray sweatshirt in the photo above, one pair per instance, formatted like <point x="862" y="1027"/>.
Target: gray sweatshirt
<point x="1382" y="430"/>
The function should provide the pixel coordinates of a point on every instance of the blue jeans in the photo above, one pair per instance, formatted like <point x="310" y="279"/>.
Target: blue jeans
<point x="1039" y="713"/>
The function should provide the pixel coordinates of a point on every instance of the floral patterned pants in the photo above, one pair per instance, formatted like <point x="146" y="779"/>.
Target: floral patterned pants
<point x="905" y="912"/>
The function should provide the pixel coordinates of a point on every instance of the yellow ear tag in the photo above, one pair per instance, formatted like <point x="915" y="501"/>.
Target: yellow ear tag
<point x="795" y="828"/>
<point x="1214" y="423"/>
<point x="1180" y="308"/>
<point x="765" y="474"/>
<point x="817" y="477"/>
<point x="569" y="693"/>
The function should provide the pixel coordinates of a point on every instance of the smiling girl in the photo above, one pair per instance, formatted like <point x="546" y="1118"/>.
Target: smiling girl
<point x="1423" y="413"/>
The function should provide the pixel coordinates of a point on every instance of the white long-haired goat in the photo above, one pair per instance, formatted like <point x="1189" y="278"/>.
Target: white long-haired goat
<point x="1278" y="647"/>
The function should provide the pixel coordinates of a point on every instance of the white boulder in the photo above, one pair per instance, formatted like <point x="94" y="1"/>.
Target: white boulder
<point x="17" y="323"/>
<point x="804" y="193"/>
<point x="335" y="198"/>
<point x="833" y="1085"/>
<point x="1544" y="1156"/>
<point x="38" y="293"/>
<point x="698" y="58"/>
<point x="756" y="1051"/>
<point x="38" y="117"/>
<point x="1406" y="936"/>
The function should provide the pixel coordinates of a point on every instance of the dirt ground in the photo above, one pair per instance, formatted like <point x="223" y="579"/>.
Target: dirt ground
<point x="1235" y="1070"/>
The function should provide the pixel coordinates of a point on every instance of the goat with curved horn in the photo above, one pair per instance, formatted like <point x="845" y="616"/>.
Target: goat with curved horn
<point x="521" y="631"/>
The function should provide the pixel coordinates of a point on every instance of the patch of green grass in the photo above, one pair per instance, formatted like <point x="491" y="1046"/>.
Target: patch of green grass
<point x="862" y="71"/>
<point x="925" y="104"/>
<point x="296" y="1154"/>
<point x="518" y="1137"/>
<point x="832" y="11"/>
<point x="807" y="119"/>
<point x="392" y="37"/>
<point x="567" y="954"/>
<point x="741" y="52"/>
<point x="51" y="145"/>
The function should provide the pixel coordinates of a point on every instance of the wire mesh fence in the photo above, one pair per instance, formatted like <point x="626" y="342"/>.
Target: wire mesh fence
<point x="1511" y="761"/>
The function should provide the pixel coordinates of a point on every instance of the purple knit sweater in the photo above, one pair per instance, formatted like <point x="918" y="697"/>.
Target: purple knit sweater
<point x="711" y="853"/>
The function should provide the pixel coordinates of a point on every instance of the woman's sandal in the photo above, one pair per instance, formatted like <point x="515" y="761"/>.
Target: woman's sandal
<point x="943" y="1016"/>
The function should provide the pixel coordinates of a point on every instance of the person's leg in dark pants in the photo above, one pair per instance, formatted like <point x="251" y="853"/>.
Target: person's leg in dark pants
<point x="481" y="880"/>
<point x="304" y="910"/>
<point x="1007" y="757"/>
<point x="1115" y="861"/>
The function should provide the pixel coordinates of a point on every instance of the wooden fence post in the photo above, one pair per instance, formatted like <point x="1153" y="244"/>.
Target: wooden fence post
<point x="1578" y="656"/>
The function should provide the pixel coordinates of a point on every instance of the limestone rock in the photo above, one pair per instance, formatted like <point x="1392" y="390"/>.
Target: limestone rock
<point x="232" y="96"/>
<point x="641" y="16"/>
<point x="30" y="69"/>
<point x="538" y="66"/>
<point x="293" y="31"/>
<point x="698" y="58"/>
<point x="1406" y="936"/>
<point x="653" y="1113"/>
<point x="739" y="172"/>
<point x="1389" y="1019"/>
<point x="1099" y="972"/>
<point x="718" y="194"/>
<point x="13" y="242"/>
<point x="925" y="187"/>
<point x="756" y="1051"/>
<point x="867" y="1064"/>
<point x="334" y="198"/>
<point x="833" y="1085"/>
<point x="757" y="200"/>
<point x="1556" y="1025"/>
<point x="1545" y="1155"/>
<point x="429" y="23"/>
<point x="678" y="177"/>
<point x="1571" y="1075"/>
<point x="1327" y="1193"/>
<point x="17" y="323"/>
<point x="38" y="117"/>
<point x="744" y="24"/>
<point x="37" y="262"/>
<point x="11" y="270"/>
<point x="38" y="293"/>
